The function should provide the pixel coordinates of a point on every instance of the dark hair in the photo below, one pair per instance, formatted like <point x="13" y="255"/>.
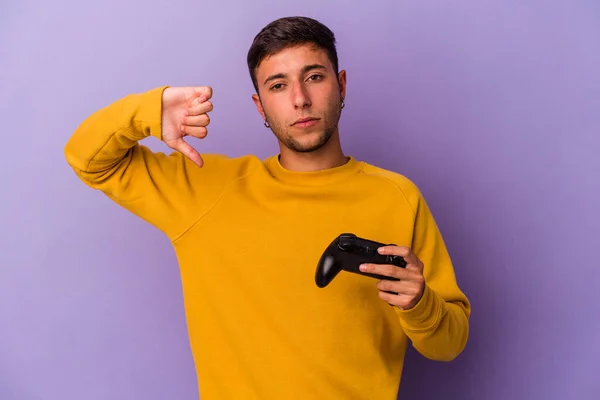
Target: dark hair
<point x="288" y="32"/>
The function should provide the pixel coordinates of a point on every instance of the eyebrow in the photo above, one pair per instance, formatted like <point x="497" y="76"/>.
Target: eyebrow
<point x="305" y="69"/>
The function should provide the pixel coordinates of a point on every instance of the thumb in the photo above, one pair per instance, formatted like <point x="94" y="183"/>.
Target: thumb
<point x="184" y="148"/>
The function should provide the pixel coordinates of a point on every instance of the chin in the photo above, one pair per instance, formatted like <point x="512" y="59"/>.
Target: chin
<point x="308" y="143"/>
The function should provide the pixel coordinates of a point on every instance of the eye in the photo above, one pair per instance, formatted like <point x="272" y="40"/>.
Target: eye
<point x="277" y="86"/>
<point x="315" y="77"/>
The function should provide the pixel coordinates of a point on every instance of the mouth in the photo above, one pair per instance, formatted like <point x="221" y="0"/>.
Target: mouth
<point x="304" y="122"/>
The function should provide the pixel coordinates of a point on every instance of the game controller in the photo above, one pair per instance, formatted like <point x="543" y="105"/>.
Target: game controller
<point x="346" y="253"/>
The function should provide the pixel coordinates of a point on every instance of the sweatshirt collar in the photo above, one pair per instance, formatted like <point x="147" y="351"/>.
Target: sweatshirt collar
<point x="312" y="178"/>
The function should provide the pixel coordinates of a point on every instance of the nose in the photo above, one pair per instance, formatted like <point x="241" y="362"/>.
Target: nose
<point x="300" y="96"/>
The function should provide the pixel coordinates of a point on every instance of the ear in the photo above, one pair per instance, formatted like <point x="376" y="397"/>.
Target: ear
<point x="342" y="82"/>
<point x="258" y="105"/>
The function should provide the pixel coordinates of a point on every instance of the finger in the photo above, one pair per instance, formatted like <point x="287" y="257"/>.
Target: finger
<point x="390" y="286"/>
<point x="196" y="120"/>
<point x="401" y="251"/>
<point x="390" y="298"/>
<point x="401" y="301"/>
<point x="417" y="266"/>
<point x="405" y="252"/>
<point x="402" y="287"/>
<point x="206" y="92"/>
<point x="392" y="271"/>
<point x="390" y="289"/>
<point x="201" y="94"/>
<point x="199" y="132"/>
<point x="200" y="108"/>
<point x="184" y="148"/>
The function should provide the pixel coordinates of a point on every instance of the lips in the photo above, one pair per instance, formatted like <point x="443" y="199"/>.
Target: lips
<point x="304" y="121"/>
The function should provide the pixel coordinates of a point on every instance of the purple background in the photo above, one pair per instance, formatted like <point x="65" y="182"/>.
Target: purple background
<point x="491" y="107"/>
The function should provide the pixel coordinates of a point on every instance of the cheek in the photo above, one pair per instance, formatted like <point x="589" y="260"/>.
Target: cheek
<point x="325" y="99"/>
<point x="276" y="110"/>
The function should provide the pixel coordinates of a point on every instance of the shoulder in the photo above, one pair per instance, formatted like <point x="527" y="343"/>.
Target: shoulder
<point x="395" y="181"/>
<point x="222" y="165"/>
<point x="241" y="164"/>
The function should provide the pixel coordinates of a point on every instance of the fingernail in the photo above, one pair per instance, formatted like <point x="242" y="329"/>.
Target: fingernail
<point x="381" y="249"/>
<point x="363" y="267"/>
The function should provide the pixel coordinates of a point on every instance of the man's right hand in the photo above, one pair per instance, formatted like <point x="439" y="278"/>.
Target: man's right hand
<point x="185" y="113"/>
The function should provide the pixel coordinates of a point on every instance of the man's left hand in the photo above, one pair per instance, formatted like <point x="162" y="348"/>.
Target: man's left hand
<point x="411" y="285"/>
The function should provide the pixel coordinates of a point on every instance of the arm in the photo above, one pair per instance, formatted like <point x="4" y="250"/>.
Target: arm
<point x="105" y="154"/>
<point x="438" y="325"/>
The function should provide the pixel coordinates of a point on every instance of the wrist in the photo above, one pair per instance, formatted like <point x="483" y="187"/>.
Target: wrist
<point x="424" y="314"/>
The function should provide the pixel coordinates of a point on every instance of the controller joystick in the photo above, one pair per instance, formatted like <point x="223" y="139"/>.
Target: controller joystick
<point x="346" y="253"/>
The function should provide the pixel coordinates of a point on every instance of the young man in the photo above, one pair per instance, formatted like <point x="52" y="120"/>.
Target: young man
<point x="248" y="233"/>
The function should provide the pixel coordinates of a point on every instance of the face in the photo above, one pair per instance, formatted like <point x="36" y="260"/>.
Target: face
<point x="300" y="97"/>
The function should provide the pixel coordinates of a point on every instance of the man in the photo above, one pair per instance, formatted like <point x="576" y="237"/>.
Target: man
<point x="248" y="233"/>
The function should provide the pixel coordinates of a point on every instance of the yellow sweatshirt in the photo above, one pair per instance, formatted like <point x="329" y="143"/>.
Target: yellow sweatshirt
<point x="248" y="234"/>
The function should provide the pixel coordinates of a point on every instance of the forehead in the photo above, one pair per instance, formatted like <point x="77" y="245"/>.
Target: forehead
<point x="291" y="60"/>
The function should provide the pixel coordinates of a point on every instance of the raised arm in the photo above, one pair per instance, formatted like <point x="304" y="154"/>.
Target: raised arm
<point x="105" y="154"/>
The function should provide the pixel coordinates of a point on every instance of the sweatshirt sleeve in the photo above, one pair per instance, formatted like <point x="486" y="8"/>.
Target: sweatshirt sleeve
<point x="168" y="191"/>
<point x="438" y="325"/>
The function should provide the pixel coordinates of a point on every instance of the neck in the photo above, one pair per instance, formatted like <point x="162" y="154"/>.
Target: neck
<point x="328" y="156"/>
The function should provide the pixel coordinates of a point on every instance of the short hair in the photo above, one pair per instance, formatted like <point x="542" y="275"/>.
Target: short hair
<point x="288" y="32"/>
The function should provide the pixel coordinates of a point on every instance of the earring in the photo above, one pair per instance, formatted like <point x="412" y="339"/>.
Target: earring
<point x="267" y="124"/>
<point x="343" y="104"/>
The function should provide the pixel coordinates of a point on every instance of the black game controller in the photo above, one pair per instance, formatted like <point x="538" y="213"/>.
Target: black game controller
<point x="346" y="253"/>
